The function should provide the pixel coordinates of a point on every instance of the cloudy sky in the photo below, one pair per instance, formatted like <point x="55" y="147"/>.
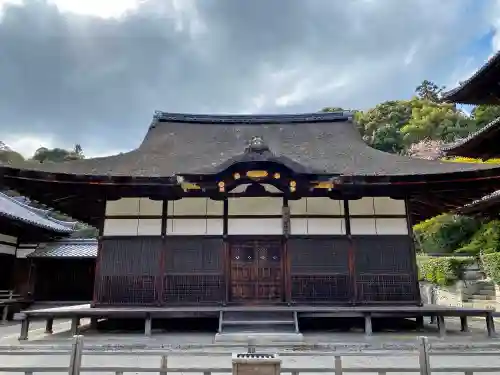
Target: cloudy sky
<point x="93" y="71"/>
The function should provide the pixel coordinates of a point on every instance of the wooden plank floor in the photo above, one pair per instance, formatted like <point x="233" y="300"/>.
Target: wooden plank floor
<point x="86" y="310"/>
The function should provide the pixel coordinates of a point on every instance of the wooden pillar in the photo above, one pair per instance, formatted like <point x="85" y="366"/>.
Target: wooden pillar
<point x="285" y="262"/>
<point x="97" y="282"/>
<point x="226" y="250"/>
<point x="419" y="323"/>
<point x="464" y="327"/>
<point x="441" y="325"/>
<point x="49" y="323"/>
<point x="75" y="325"/>
<point x="490" y="325"/>
<point x="351" y="254"/>
<point x="418" y="297"/>
<point x="160" y="278"/>
<point x="25" y="326"/>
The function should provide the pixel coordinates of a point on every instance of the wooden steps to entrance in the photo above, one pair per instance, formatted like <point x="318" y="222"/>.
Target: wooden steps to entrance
<point x="243" y="326"/>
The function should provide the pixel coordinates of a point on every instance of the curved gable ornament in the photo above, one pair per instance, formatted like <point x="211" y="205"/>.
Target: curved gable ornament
<point x="257" y="144"/>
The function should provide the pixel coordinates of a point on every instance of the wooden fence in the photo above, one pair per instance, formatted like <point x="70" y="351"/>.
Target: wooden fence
<point x="77" y="351"/>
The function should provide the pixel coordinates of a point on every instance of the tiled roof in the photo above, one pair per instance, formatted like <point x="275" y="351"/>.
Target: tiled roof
<point x="477" y="205"/>
<point x="73" y="248"/>
<point x="16" y="210"/>
<point x="484" y="131"/>
<point x="466" y="93"/>
<point x="319" y="143"/>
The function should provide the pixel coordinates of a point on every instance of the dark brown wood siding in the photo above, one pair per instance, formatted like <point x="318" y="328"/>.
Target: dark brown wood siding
<point x="319" y="268"/>
<point x="6" y="267"/>
<point x="129" y="268"/>
<point x="385" y="271"/>
<point x="193" y="270"/>
<point x="64" y="279"/>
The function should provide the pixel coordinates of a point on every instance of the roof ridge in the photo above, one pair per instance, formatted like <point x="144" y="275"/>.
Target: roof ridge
<point x="252" y="118"/>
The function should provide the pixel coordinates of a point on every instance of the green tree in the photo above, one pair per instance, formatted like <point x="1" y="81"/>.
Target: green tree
<point x="380" y="126"/>
<point x="9" y="156"/>
<point x="332" y="109"/>
<point x="484" y="114"/>
<point x="57" y="155"/>
<point x="428" y="90"/>
<point x="436" y="121"/>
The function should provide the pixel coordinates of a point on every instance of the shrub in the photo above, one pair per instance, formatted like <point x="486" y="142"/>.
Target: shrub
<point x="445" y="233"/>
<point x="485" y="241"/>
<point x="442" y="271"/>
<point x="491" y="266"/>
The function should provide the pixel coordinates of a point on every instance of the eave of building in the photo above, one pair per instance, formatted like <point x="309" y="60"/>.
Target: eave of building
<point x="483" y="87"/>
<point x="486" y="206"/>
<point x="482" y="144"/>
<point x="17" y="211"/>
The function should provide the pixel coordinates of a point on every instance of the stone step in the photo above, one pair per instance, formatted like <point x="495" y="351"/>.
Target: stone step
<point x="487" y="292"/>
<point x="258" y="316"/>
<point x="263" y="328"/>
<point x="480" y="304"/>
<point x="257" y="322"/>
<point x="259" y="337"/>
<point x="483" y="297"/>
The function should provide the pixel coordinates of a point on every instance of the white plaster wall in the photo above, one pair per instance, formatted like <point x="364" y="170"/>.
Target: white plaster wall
<point x="133" y="206"/>
<point x="195" y="207"/>
<point x="363" y="226"/>
<point x="259" y="206"/>
<point x="255" y="206"/>
<point x="202" y="207"/>
<point x="132" y="227"/>
<point x="389" y="206"/>
<point x="25" y="250"/>
<point x="255" y="226"/>
<point x="379" y="206"/>
<point x="316" y="206"/>
<point x="9" y="239"/>
<point x="397" y="226"/>
<point x="7" y="249"/>
<point x="317" y="226"/>
<point x="194" y="227"/>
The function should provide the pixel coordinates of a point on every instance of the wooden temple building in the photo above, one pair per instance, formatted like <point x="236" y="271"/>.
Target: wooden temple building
<point x="484" y="144"/>
<point x="260" y="210"/>
<point x="37" y="260"/>
<point x="23" y="228"/>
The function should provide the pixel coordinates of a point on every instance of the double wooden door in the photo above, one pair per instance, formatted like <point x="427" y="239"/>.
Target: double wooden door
<point x="256" y="270"/>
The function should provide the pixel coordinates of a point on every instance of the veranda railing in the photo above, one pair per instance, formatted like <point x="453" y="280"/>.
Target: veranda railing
<point x="77" y="351"/>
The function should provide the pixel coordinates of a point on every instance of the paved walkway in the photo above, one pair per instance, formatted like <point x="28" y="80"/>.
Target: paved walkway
<point x="394" y="340"/>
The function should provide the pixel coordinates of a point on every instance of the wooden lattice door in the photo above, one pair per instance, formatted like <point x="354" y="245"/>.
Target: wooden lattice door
<point x="256" y="271"/>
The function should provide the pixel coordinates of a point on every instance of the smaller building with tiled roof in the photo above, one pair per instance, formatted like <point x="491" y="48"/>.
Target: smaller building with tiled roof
<point x="67" y="248"/>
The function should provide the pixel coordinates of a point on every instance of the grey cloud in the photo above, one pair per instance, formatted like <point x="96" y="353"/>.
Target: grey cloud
<point x="98" y="81"/>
